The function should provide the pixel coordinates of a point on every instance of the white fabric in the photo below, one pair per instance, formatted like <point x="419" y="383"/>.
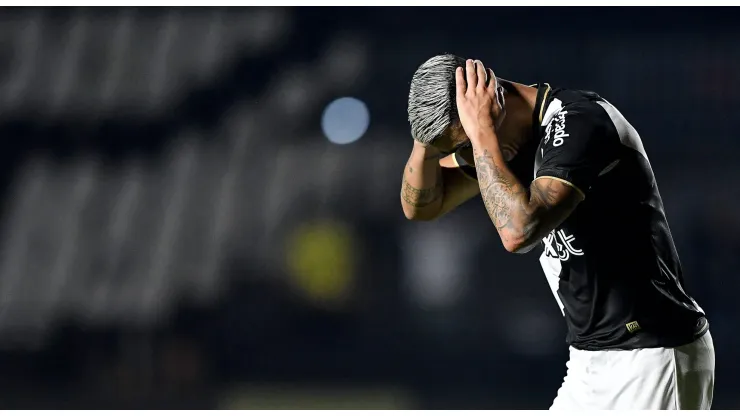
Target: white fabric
<point x="643" y="379"/>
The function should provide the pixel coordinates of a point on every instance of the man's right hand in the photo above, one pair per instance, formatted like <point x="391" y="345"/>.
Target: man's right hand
<point x="421" y="188"/>
<point x="429" y="190"/>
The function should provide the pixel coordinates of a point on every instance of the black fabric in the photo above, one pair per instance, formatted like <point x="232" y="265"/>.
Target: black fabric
<point x="612" y="262"/>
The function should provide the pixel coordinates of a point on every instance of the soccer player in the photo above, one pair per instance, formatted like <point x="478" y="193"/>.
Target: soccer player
<point x="565" y="168"/>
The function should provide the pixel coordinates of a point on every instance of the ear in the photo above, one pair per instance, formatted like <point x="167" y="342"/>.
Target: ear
<point x="457" y="133"/>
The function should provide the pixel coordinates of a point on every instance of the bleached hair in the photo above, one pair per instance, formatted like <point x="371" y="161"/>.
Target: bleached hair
<point x="432" y="105"/>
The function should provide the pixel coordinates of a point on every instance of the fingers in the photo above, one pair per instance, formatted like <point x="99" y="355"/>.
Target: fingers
<point x="460" y="81"/>
<point x="471" y="74"/>
<point x="492" y="82"/>
<point x="493" y="87"/>
<point x="481" y="74"/>
<point x="475" y="75"/>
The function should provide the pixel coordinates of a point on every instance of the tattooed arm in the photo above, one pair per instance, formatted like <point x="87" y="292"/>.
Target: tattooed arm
<point x="522" y="216"/>
<point x="432" y="187"/>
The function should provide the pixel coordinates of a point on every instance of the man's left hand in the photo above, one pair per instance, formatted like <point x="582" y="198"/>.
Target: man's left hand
<point x="480" y="100"/>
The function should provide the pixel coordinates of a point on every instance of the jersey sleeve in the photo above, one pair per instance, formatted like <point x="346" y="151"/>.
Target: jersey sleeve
<point x="575" y="148"/>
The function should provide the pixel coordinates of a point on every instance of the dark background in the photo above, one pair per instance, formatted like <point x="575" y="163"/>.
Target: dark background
<point x="177" y="232"/>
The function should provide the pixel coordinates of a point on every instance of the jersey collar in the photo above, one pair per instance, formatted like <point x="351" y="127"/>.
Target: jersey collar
<point x="543" y="91"/>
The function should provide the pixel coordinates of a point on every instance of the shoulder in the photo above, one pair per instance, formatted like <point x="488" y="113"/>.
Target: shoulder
<point x="578" y="139"/>
<point x="576" y="116"/>
<point x="582" y="105"/>
<point x="576" y="122"/>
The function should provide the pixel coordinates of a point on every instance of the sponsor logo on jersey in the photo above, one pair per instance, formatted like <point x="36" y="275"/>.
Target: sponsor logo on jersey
<point x="556" y="129"/>
<point x="559" y="245"/>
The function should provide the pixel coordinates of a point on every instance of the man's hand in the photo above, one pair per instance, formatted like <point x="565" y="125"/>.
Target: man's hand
<point x="480" y="100"/>
<point x="521" y="215"/>
<point x="432" y="187"/>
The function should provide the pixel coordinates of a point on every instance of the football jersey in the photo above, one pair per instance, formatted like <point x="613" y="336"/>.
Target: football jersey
<point x="612" y="264"/>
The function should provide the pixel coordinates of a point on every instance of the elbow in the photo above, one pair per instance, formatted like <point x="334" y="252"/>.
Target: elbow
<point x="519" y="248"/>
<point x="518" y="243"/>
<point x="515" y="246"/>
<point x="418" y="215"/>
<point x="414" y="212"/>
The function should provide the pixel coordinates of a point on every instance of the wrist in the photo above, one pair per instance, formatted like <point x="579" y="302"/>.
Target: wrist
<point x="484" y="136"/>
<point x="426" y="152"/>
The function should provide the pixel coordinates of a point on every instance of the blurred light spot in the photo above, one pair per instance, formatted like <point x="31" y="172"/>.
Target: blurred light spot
<point x="435" y="259"/>
<point x="345" y="120"/>
<point x="321" y="260"/>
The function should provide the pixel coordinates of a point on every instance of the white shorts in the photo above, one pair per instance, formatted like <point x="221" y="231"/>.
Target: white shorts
<point x="643" y="379"/>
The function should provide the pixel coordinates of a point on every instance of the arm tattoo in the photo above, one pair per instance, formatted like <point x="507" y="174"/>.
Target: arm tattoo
<point x="518" y="211"/>
<point x="543" y="192"/>
<point x="421" y="197"/>
<point x="502" y="194"/>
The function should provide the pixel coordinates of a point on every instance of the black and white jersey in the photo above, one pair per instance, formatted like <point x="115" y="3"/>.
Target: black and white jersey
<point x="612" y="264"/>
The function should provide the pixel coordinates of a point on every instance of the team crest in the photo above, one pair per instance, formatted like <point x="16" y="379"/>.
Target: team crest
<point x="560" y="246"/>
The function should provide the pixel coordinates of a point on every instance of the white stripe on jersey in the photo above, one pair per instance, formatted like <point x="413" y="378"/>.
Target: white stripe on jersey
<point x="627" y="134"/>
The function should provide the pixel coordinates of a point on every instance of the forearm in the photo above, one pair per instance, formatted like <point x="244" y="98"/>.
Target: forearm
<point x="505" y="198"/>
<point x="421" y="187"/>
<point x="522" y="215"/>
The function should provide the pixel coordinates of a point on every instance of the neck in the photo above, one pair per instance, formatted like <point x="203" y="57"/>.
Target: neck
<point x="516" y="128"/>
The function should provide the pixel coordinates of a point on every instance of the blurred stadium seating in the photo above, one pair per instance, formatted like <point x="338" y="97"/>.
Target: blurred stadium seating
<point x="176" y="232"/>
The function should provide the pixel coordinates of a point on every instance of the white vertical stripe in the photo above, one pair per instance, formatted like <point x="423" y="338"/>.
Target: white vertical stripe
<point x="552" y="109"/>
<point x="552" y="268"/>
<point x="627" y="134"/>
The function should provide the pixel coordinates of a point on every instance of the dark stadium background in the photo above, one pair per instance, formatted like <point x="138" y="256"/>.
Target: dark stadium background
<point x="177" y="231"/>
